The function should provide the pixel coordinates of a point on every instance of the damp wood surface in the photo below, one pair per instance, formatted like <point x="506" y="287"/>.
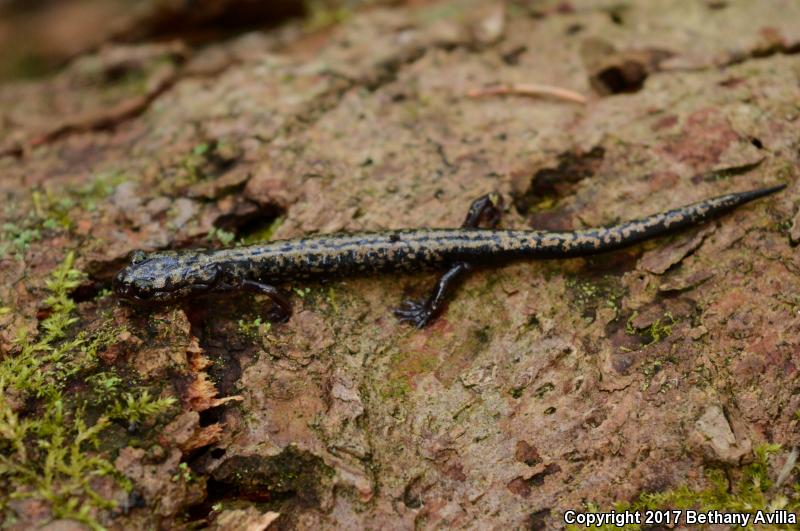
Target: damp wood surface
<point x="544" y="386"/>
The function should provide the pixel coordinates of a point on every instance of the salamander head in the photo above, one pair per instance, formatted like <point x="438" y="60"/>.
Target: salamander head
<point x="165" y="276"/>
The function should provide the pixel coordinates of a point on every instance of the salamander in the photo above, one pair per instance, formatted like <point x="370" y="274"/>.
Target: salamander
<point x="166" y="276"/>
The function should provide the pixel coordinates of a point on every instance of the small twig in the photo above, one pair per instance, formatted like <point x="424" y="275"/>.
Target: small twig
<point x="528" y="89"/>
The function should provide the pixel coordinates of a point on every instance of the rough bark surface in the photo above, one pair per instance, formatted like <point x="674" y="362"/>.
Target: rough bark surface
<point x="545" y="385"/>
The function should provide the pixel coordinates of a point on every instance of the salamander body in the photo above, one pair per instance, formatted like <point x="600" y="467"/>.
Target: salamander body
<point x="170" y="275"/>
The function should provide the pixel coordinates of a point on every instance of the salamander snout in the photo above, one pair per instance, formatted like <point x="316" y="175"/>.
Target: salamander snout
<point x="134" y="285"/>
<point x="164" y="276"/>
<point x="122" y="287"/>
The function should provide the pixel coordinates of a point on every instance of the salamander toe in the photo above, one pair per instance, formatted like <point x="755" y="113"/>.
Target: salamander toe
<point x="416" y="313"/>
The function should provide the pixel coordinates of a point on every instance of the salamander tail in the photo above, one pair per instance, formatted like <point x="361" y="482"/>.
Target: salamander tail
<point x="746" y="197"/>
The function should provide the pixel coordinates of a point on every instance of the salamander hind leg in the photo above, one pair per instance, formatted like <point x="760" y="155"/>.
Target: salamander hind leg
<point x="419" y="313"/>
<point x="282" y="307"/>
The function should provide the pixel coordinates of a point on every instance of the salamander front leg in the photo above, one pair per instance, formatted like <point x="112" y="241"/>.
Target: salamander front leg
<point x="420" y="312"/>
<point x="488" y="207"/>
<point x="282" y="309"/>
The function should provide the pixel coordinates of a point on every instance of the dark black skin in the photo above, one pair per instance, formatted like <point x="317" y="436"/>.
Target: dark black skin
<point x="171" y="275"/>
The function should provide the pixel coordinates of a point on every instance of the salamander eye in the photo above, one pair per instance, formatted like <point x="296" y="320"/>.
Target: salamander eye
<point x="138" y="257"/>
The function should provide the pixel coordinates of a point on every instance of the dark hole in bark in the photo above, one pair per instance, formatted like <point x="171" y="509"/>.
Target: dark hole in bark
<point x="626" y="77"/>
<point x="286" y="483"/>
<point x="573" y="29"/>
<point x="560" y="181"/>
<point x="538" y="520"/>
<point x="217" y="453"/>
<point x="251" y="222"/>
<point x="210" y="416"/>
<point x="412" y="497"/>
<point x="615" y="14"/>
<point x="86" y="292"/>
<point x="218" y="491"/>
<point x="512" y="57"/>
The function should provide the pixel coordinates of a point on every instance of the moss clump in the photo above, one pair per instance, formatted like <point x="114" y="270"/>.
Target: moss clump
<point x="395" y="388"/>
<point x="50" y="212"/>
<point x="660" y="329"/>
<point x="264" y="232"/>
<point x="293" y="472"/>
<point x="591" y="296"/>
<point x="254" y="328"/>
<point x="405" y="366"/>
<point x="750" y="493"/>
<point x="224" y="237"/>
<point x="55" y="210"/>
<point x="42" y="365"/>
<point x="49" y="445"/>
<point x="205" y="161"/>
<point x="135" y="408"/>
<point x="324" y="13"/>
<point x="15" y="239"/>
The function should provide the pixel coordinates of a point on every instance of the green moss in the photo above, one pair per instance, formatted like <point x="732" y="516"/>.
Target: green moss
<point x="43" y="364"/>
<point x="331" y="300"/>
<point x="53" y="211"/>
<point x="591" y="295"/>
<point x="97" y="189"/>
<point x="200" y="149"/>
<point x="322" y="13"/>
<point x="660" y="329"/>
<point x="104" y="383"/>
<point x="751" y="492"/>
<point x="263" y="233"/>
<point x="184" y="473"/>
<point x="193" y="163"/>
<point x="15" y="239"/>
<point x="291" y="471"/>
<point x="222" y="236"/>
<point x="404" y="367"/>
<point x="134" y="409"/>
<point x="205" y="161"/>
<point x="58" y="468"/>
<point x="51" y="452"/>
<point x="301" y="292"/>
<point x="544" y="389"/>
<point x="26" y="65"/>
<point x="255" y="328"/>
<point x="395" y="388"/>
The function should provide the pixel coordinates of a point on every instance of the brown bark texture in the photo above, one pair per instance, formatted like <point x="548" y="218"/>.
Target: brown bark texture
<point x="544" y="386"/>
